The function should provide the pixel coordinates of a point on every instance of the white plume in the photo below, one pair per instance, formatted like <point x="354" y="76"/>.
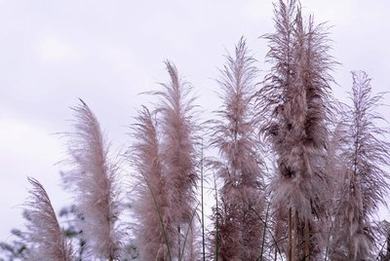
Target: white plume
<point x="92" y="180"/>
<point x="45" y="238"/>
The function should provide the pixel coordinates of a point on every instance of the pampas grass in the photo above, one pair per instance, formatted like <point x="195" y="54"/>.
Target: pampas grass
<point x="155" y="233"/>
<point x="365" y="179"/>
<point x="294" y="109"/>
<point x="297" y="175"/>
<point x="44" y="237"/>
<point x="233" y="134"/>
<point x="178" y="150"/>
<point x="93" y="182"/>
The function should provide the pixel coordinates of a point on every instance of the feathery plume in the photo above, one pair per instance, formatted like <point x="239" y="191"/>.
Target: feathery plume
<point x="156" y="233"/>
<point x="366" y="156"/>
<point x="93" y="180"/>
<point x="234" y="135"/>
<point x="294" y="109"/>
<point x="178" y="150"/>
<point x="45" y="238"/>
<point x="335" y="169"/>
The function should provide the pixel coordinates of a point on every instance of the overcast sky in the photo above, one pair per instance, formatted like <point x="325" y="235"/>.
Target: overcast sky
<point x="106" y="52"/>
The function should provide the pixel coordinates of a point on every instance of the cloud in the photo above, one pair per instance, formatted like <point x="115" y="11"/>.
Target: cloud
<point x="53" y="49"/>
<point x="26" y="150"/>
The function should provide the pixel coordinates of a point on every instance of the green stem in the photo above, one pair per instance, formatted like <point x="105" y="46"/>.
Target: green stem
<point x="188" y="229"/>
